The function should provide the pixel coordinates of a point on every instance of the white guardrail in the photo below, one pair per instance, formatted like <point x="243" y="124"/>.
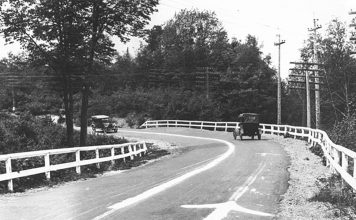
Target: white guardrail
<point x="338" y="158"/>
<point x="122" y="151"/>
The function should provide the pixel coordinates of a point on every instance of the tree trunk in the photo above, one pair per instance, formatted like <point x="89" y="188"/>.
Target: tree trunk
<point x="84" y="115"/>
<point x="85" y="90"/>
<point x="68" y="105"/>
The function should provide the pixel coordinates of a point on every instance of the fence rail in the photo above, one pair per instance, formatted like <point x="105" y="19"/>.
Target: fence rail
<point x="338" y="158"/>
<point x="125" y="150"/>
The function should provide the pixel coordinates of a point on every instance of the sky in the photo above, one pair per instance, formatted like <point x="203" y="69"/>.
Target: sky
<point x="260" y="18"/>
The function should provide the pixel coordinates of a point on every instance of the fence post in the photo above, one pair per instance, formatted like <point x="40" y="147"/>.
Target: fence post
<point x="141" y="149"/>
<point x="135" y="149"/>
<point x="144" y="148"/>
<point x="130" y="150"/>
<point x="10" y="184"/>
<point x="345" y="165"/>
<point x="122" y="149"/>
<point x="215" y="126"/>
<point x="156" y="124"/>
<point x="176" y="124"/>
<point x="225" y="127"/>
<point x="47" y="165"/>
<point x="201" y="126"/>
<point x="112" y="156"/>
<point x="97" y="157"/>
<point x="336" y="156"/>
<point x="77" y="160"/>
<point x="190" y="124"/>
<point x="345" y="162"/>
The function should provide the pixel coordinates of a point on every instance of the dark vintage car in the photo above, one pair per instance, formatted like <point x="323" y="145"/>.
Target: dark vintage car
<point x="103" y="123"/>
<point x="248" y="125"/>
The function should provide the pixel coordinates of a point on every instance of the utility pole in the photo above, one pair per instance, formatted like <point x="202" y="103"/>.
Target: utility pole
<point x="315" y="60"/>
<point x="305" y="69"/>
<point x="279" y="102"/>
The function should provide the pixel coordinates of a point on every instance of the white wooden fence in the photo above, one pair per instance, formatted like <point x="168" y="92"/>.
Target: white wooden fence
<point x="338" y="158"/>
<point x="124" y="150"/>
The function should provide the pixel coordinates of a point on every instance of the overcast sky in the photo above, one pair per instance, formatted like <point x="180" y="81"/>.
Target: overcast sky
<point x="261" y="18"/>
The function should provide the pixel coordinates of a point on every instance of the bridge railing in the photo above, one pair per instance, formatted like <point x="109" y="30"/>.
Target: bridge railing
<point x="338" y="158"/>
<point x="117" y="151"/>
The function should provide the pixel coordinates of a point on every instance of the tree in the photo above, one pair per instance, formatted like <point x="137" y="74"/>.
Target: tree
<point x="190" y="39"/>
<point x="71" y="35"/>
<point x="337" y="90"/>
<point x="339" y="70"/>
<point x="334" y="52"/>
<point x="253" y="82"/>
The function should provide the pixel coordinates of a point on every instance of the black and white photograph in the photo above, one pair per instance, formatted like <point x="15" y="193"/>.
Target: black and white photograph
<point x="177" y="109"/>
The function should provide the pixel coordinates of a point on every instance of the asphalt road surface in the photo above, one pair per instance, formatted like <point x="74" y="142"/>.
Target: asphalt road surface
<point x="215" y="177"/>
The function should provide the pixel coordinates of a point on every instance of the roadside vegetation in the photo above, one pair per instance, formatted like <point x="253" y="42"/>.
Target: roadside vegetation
<point x="333" y="189"/>
<point x="26" y="133"/>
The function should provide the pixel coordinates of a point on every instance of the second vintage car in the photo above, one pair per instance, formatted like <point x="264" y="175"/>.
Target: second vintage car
<point x="103" y="123"/>
<point x="248" y="125"/>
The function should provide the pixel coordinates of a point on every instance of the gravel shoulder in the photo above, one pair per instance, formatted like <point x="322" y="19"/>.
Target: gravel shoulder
<point x="306" y="170"/>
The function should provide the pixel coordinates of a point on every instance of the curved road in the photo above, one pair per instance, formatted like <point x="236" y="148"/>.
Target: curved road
<point x="215" y="178"/>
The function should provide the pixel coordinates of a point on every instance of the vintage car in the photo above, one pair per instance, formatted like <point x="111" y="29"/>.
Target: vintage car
<point x="248" y="125"/>
<point x="103" y="123"/>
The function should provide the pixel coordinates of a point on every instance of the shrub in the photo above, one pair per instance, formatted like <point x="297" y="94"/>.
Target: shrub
<point x="134" y="120"/>
<point x="344" y="132"/>
<point x="26" y="133"/>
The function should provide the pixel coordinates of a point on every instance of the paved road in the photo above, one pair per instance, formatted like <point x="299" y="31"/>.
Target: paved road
<point x="211" y="179"/>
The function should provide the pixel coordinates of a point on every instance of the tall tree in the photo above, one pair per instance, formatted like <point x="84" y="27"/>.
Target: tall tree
<point x="190" y="39"/>
<point x="111" y="18"/>
<point x="334" y="51"/>
<point x="71" y="35"/>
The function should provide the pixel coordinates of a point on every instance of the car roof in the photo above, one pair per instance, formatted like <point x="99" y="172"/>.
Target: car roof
<point x="99" y="116"/>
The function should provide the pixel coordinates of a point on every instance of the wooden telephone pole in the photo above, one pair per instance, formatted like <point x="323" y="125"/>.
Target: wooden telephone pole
<point x="315" y="60"/>
<point x="279" y="101"/>
<point x="306" y="72"/>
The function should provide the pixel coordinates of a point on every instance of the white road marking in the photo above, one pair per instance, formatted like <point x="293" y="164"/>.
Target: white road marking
<point x="265" y="154"/>
<point x="223" y="209"/>
<point x="153" y="191"/>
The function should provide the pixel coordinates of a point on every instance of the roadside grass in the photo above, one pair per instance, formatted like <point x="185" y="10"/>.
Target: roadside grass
<point x="89" y="171"/>
<point x="335" y="191"/>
